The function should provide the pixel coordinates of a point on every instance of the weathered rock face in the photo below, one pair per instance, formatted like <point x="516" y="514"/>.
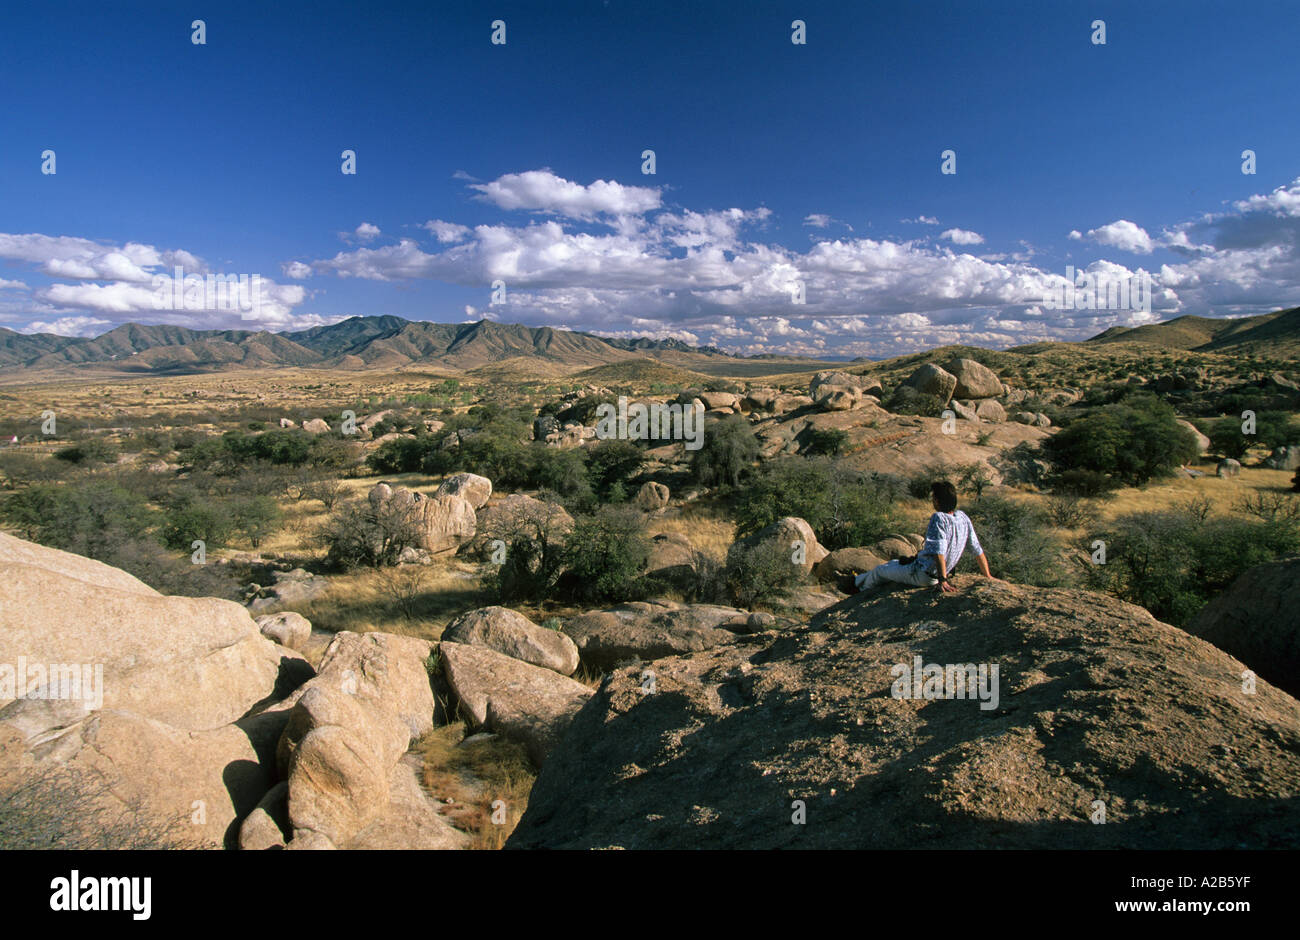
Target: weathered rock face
<point x="929" y="379"/>
<point x="974" y="380"/>
<point x="791" y="534"/>
<point x="672" y="559"/>
<point x="1202" y="442"/>
<point x="316" y="426"/>
<point x="652" y="496"/>
<point x="472" y="487"/>
<point x="164" y="711"/>
<point x="645" y="631"/>
<point x="525" y="703"/>
<point x="963" y="410"/>
<point x="288" y="629"/>
<point x="715" y="400"/>
<point x="1283" y="458"/>
<point x="512" y="634"/>
<point x="1228" y="468"/>
<point x="759" y="399"/>
<point x="347" y="730"/>
<point x="1255" y="620"/>
<point x="1096" y="700"/>
<point x="989" y="410"/>
<point x="897" y="546"/>
<point x="844" y="563"/>
<point x="193" y="663"/>
<point x="446" y="521"/>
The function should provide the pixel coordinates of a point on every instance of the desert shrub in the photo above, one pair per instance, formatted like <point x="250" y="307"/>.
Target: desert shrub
<point x="359" y="534"/>
<point x="1272" y="429"/>
<point x="605" y="554"/>
<point x="534" y="535"/>
<point x="1270" y="507"/>
<point x="90" y="519"/>
<point x="189" y="518"/>
<point x="255" y="518"/>
<point x="19" y="469"/>
<point x="843" y="507"/>
<point x="326" y="489"/>
<point x="1070" y="511"/>
<point x="905" y="400"/>
<point x="762" y="572"/>
<point x="1087" y="483"/>
<point x="400" y="455"/>
<point x="1171" y="562"/>
<point x="828" y="442"/>
<point x="1019" y="544"/>
<point x="611" y="464"/>
<point x="562" y="470"/>
<point x="1132" y="441"/>
<point x="91" y="450"/>
<point x="729" y="448"/>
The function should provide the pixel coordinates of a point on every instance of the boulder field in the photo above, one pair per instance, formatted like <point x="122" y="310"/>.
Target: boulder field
<point x="1000" y="716"/>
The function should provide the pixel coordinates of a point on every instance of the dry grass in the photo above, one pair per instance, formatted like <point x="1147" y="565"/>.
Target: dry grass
<point x="1224" y="493"/>
<point x="468" y="777"/>
<point x="709" y="532"/>
<point x="363" y="601"/>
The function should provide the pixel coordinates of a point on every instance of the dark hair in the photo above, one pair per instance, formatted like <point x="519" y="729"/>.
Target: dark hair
<point x="945" y="495"/>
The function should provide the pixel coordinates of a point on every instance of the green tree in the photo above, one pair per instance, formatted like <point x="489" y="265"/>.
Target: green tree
<point x="729" y="449"/>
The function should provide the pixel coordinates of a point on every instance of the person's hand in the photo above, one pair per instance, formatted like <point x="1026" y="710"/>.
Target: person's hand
<point x="947" y="588"/>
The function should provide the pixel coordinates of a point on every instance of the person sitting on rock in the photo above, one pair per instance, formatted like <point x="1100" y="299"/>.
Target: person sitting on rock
<point x="945" y="540"/>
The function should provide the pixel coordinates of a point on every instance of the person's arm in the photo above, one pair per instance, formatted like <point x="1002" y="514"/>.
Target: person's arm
<point x="984" y="567"/>
<point x="944" y="585"/>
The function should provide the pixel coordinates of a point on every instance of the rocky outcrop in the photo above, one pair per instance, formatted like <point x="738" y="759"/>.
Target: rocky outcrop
<point x="316" y="426"/>
<point x="931" y="380"/>
<point x="347" y="730"/>
<point x="974" y="380"/>
<point x="841" y="565"/>
<point x="1202" y="442"/>
<point x="194" y="663"/>
<point x="148" y="702"/>
<point x="525" y="703"/>
<point x="652" y="497"/>
<point x="288" y="629"/>
<point x="990" y="411"/>
<point x="646" y="631"/>
<point x="818" y="737"/>
<point x="505" y="631"/>
<point x="1286" y="457"/>
<point x="475" y="489"/>
<point x="444" y="522"/>
<point x="1228" y="467"/>
<point x="1255" y="620"/>
<point x="791" y="535"/>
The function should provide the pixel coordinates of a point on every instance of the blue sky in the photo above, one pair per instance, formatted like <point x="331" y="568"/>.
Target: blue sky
<point x="780" y="167"/>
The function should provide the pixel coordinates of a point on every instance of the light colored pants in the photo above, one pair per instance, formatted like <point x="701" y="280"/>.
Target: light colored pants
<point x="912" y="574"/>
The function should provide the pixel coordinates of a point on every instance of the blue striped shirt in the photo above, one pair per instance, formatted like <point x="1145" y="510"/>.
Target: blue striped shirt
<point x="947" y="535"/>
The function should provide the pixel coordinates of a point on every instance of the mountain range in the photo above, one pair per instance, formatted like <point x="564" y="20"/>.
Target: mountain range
<point x="1276" y="333"/>
<point x="393" y="343"/>
<point x="381" y="342"/>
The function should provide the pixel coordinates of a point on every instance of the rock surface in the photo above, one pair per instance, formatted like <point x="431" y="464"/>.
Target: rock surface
<point x="522" y="702"/>
<point x="512" y="634"/>
<point x="1096" y="701"/>
<point x="1256" y="620"/>
<point x="974" y="380"/>
<point x="475" y="489"/>
<point x="645" y="631"/>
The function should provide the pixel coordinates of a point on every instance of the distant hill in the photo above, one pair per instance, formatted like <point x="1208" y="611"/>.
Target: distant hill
<point x="384" y="342"/>
<point x="1277" y="333"/>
